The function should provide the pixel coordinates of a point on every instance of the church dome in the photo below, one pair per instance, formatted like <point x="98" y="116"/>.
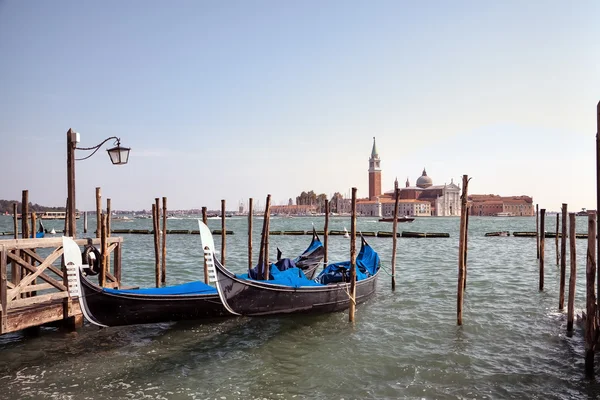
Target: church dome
<point x="424" y="181"/>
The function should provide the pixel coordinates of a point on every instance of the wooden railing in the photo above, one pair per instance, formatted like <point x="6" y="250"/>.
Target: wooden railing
<point x="36" y="281"/>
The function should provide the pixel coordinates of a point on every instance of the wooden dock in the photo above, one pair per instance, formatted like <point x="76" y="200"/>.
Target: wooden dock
<point x="34" y="288"/>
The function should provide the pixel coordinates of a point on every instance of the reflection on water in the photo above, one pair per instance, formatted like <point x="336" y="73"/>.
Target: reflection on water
<point x="404" y="344"/>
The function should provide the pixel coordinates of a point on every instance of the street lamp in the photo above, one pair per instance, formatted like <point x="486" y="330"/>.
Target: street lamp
<point x="118" y="156"/>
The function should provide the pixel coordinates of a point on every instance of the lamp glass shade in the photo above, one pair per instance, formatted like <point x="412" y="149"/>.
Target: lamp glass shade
<point x="119" y="155"/>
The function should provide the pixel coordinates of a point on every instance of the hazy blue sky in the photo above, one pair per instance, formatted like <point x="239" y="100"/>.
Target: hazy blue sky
<point x="237" y="99"/>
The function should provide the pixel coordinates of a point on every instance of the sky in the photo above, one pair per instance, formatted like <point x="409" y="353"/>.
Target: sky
<point x="238" y="99"/>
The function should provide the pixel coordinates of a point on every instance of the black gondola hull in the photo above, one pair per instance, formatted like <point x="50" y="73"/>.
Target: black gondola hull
<point x="111" y="309"/>
<point x="254" y="298"/>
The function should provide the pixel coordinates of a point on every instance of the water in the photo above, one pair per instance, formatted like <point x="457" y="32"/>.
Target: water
<point x="404" y="344"/>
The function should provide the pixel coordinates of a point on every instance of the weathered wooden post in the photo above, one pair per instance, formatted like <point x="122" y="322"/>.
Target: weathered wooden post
<point x="104" y="248"/>
<point x="395" y="237"/>
<point x="15" y="270"/>
<point x="108" y="217"/>
<point x="85" y="220"/>
<point x="98" y="211"/>
<point x="205" y="220"/>
<point x="590" y="275"/>
<point x="573" y="269"/>
<point x="267" y="262"/>
<point x="223" y="232"/>
<point x="33" y="224"/>
<point x="352" y="308"/>
<point x="598" y="180"/>
<point x="250" y="212"/>
<point x="537" y="230"/>
<point x="164" y="242"/>
<point x="15" y="222"/>
<point x="25" y="214"/>
<point x="465" y="245"/>
<point x="325" y="233"/>
<point x="542" y="238"/>
<point x="156" y="228"/>
<point x="461" y="249"/>
<point x="265" y="232"/>
<point x="563" y="258"/>
<point x="65" y="228"/>
<point x="556" y="240"/>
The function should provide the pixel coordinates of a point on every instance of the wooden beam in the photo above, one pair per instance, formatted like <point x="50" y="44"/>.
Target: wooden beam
<point x="35" y="272"/>
<point x="352" y="307"/>
<point x="40" y="259"/>
<point x="3" y="289"/>
<point x="45" y="243"/>
<point x="28" y="301"/>
<point x="395" y="237"/>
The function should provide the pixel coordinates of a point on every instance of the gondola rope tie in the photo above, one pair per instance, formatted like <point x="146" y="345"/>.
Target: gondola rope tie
<point x="382" y="266"/>
<point x="353" y="300"/>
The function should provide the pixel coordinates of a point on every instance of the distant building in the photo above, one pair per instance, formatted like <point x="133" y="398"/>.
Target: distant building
<point x="374" y="173"/>
<point x="420" y="200"/>
<point x="444" y="200"/>
<point x="495" y="205"/>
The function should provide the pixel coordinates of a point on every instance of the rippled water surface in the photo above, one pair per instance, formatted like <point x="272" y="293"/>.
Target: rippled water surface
<point x="404" y="344"/>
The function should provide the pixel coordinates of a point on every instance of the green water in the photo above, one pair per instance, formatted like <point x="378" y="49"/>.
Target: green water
<point x="404" y="344"/>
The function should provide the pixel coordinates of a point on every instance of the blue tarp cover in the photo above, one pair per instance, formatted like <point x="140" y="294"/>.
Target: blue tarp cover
<point x="367" y="264"/>
<point x="292" y="276"/>
<point x="197" y="287"/>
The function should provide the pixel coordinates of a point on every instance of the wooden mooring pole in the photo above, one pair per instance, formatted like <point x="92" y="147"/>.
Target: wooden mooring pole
<point x="223" y="233"/>
<point x="590" y="275"/>
<point x="542" y="238"/>
<point x="205" y="221"/>
<point x="461" y="250"/>
<point x="537" y="230"/>
<point x="250" y="215"/>
<point x="66" y="226"/>
<point x="156" y="226"/>
<point x="266" y="258"/>
<point x="325" y="233"/>
<point x="352" y="308"/>
<point x="163" y="276"/>
<point x="466" y="247"/>
<point x="15" y="222"/>
<point x="573" y="269"/>
<point x="262" y="255"/>
<point x="395" y="237"/>
<point x="25" y="214"/>
<point x="108" y="216"/>
<point x="85" y="220"/>
<point x="556" y="240"/>
<point x="103" y="249"/>
<point x="598" y="182"/>
<point x="98" y="211"/>
<point x="563" y="258"/>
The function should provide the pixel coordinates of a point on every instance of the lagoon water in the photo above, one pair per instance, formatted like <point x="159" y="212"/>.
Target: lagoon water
<point x="404" y="344"/>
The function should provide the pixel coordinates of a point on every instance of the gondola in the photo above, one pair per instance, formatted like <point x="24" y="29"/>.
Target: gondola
<point x="290" y="291"/>
<point x="188" y="301"/>
<point x="111" y="307"/>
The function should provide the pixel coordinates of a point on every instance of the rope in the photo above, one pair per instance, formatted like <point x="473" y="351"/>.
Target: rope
<point x="381" y="265"/>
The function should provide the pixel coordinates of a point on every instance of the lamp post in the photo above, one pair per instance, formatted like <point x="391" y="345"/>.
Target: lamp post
<point x="118" y="156"/>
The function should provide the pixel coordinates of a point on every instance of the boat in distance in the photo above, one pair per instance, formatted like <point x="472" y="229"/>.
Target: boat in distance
<point x="399" y="219"/>
<point x="290" y="291"/>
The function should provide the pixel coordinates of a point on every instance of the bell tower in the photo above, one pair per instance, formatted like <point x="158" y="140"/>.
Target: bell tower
<point x="374" y="173"/>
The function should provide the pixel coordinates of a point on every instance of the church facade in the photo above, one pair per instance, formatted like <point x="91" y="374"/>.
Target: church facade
<point x="423" y="199"/>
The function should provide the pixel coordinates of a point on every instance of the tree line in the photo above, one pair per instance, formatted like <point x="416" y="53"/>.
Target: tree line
<point x="6" y="206"/>
<point x="312" y="199"/>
